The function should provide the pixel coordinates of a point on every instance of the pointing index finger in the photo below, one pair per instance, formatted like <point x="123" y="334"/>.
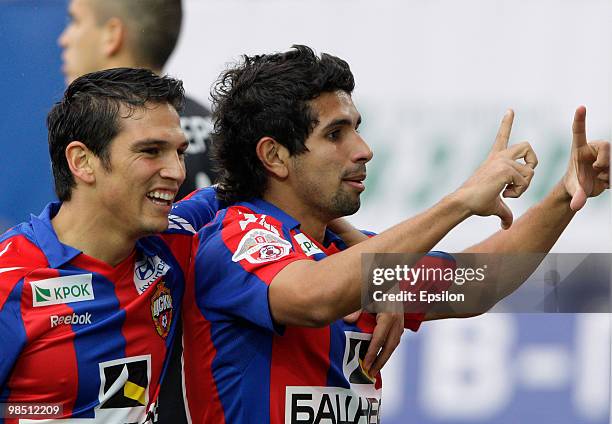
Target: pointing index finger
<point x="503" y="134"/>
<point x="579" y="128"/>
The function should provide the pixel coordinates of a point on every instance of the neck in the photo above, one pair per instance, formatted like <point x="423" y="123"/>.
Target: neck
<point x="126" y="60"/>
<point x="311" y="223"/>
<point x="79" y="226"/>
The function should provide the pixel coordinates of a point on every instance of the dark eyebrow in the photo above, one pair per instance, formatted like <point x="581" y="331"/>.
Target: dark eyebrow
<point x="341" y="122"/>
<point x="152" y="142"/>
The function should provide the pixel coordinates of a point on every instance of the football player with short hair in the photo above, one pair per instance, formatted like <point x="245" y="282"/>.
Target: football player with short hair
<point x="89" y="296"/>
<point x="104" y="34"/>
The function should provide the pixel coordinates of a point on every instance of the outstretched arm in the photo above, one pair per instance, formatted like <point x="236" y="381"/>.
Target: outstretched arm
<point x="308" y="293"/>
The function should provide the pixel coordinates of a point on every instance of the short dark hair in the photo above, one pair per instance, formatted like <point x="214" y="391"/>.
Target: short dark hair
<point x="155" y="26"/>
<point x="90" y="112"/>
<point x="268" y="95"/>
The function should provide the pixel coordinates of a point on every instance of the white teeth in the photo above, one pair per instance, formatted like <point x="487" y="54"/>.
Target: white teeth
<point x="160" y="195"/>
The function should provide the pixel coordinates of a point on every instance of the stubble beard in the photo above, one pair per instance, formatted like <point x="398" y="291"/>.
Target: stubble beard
<point x="344" y="204"/>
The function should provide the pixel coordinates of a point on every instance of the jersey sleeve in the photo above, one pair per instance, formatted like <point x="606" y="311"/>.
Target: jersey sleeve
<point x="236" y="259"/>
<point x="12" y="330"/>
<point x="437" y="260"/>
<point x="369" y="234"/>
<point x="195" y="211"/>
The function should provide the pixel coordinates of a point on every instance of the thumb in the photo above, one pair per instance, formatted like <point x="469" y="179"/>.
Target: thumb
<point x="504" y="213"/>
<point x="578" y="199"/>
<point x="352" y="318"/>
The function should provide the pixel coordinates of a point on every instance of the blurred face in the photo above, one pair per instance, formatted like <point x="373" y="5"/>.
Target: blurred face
<point x="81" y="41"/>
<point x="146" y="169"/>
<point x="328" y="178"/>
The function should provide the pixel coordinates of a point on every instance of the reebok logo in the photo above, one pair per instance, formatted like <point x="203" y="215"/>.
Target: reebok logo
<point x="54" y="291"/>
<point x="73" y="319"/>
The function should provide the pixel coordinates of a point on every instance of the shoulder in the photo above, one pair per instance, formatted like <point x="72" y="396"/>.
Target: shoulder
<point x="19" y="256"/>
<point x="195" y="211"/>
<point x="167" y="249"/>
<point x="18" y="249"/>
<point x="248" y="235"/>
<point x="239" y="219"/>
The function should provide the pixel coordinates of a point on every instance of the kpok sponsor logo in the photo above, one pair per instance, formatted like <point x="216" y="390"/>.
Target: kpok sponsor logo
<point x="58" y="290"/>
<point x="308" y="246"/>
<point x="147" y="271"/>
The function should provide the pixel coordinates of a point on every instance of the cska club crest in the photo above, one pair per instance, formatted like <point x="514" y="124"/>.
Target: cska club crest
<point x="260" y="246"/>
<point x="161" y="309"/>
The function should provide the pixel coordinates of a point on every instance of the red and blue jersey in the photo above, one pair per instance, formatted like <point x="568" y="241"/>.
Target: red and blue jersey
<point x="78" y="332"/>
<point x="195" y="211"/>
<point x="241" y="367"/>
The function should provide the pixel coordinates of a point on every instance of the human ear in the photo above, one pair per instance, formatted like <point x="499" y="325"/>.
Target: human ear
<point x="114" y="35"/>
<point x="274" y="156"/>
<point x="79" y="159"/>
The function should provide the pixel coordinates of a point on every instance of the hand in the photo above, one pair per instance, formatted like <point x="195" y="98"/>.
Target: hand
<point x="352" y="318"/>
<point x="349" y="234"/>
<point x="385" y="339"/>
<point x="500" y="172"/>
<point x="588" y="172"/>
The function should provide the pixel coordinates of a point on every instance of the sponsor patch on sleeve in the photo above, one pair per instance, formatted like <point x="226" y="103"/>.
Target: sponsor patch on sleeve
<point x="308" y="246"/>
<point x="261" y="246"/>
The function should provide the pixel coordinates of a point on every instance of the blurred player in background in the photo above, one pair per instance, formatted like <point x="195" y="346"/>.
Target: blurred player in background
<point x="89" y="298"/>
<point x="104" y="34"/>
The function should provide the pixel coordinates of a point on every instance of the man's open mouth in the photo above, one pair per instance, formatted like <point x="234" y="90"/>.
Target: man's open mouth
<point x="160" y="197"/>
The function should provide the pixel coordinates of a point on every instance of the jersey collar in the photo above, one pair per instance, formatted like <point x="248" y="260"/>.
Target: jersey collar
<point x="259" y="205"/>
<point x="57" y="253"/>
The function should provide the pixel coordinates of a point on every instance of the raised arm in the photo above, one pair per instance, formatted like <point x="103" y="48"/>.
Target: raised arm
<point x="310" y="293"/>
<point x="536" y="231"/>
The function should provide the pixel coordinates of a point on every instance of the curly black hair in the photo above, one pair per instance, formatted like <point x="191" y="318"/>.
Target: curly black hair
<point x="268" y="96"/>
<point x="90" y="111"/>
